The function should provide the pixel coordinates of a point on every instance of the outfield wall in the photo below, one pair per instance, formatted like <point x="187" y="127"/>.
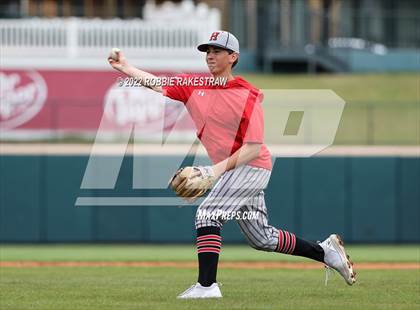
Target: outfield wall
<point x="367" y="199"/>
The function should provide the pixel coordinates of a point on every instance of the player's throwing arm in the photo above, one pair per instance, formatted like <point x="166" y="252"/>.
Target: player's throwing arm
<point x="118" y="61"/>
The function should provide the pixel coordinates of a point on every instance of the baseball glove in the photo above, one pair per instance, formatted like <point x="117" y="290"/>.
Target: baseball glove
<point x="191" y="183"/>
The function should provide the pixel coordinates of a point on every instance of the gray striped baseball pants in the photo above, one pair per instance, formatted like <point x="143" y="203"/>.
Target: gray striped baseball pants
<point x="237" y="191"/>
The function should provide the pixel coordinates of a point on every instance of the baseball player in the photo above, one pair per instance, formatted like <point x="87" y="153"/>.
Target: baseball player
<point x="230" y="123"/>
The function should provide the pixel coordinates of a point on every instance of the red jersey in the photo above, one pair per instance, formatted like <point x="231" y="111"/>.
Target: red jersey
<point x="226" y="117"/>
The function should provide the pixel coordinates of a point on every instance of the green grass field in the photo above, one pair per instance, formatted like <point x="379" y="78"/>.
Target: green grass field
<point x="157" y="287"/>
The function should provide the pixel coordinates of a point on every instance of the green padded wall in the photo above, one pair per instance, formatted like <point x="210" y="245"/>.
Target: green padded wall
<point x="365" y="199"/>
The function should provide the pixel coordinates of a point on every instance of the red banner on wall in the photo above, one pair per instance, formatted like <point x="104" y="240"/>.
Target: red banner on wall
<point x="45" y="103"/>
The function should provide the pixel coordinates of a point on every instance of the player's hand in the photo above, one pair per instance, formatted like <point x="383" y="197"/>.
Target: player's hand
<point x="117" y="60"/>
<point x="190" y="183"/>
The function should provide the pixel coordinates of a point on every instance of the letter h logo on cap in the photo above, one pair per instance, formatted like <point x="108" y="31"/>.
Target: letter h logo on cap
<point x="214" y="36"/>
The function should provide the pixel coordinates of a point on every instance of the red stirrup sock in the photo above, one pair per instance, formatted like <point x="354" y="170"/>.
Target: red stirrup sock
<point x="209" y="243"/>
<point x="290" y="244"/>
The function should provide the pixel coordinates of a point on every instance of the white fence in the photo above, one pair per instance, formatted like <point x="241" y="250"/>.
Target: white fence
<point x="76" y="38"/>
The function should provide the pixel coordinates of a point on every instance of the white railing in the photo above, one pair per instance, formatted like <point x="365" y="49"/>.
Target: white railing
<point x="81" y="37"/>
<point x="83" y="41"/>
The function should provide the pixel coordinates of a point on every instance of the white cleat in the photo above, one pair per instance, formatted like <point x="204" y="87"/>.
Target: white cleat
<point x="199" y="291"/>
<point x="335" y="257"/>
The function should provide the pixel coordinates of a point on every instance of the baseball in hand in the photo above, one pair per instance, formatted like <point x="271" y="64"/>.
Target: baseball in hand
<point x="114" y="53"/>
